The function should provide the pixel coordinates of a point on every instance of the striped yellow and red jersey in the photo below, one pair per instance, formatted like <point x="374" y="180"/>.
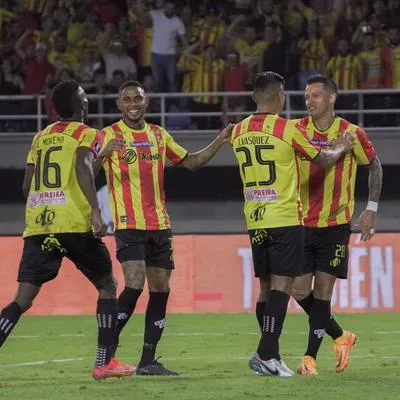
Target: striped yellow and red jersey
<point x="135" y="175"/>
<point x="345" y="71"/>
<point x="371" y="64"/>
<point x="188" y="68"/>
<point x="247" y="51"/>
<point x="209" y="77"/>
<point x="265" y="147"/>
<point x="314" y="47"/>
<point x="143" y="36"/>
<point x="56" y="203"/>
<point x="390" y="60"/>
<point x="327" y="195"/>
<point x="209" y="35"/>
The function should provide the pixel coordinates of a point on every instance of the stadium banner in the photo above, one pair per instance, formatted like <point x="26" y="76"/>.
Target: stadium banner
<point x="214" y="273"/>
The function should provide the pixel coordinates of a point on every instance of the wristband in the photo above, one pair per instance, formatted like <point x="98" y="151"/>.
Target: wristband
<point x="372" y="206"/>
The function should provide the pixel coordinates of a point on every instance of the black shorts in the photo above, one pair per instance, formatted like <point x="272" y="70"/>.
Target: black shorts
<point x="277" y="251"/>
<point x="154" y="247"/>
<point x="42" y="256"/>
<point x="327" y="250"/>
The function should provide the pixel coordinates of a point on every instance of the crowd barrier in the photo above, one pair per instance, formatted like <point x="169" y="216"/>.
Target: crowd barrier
<point x="214" y="274"/>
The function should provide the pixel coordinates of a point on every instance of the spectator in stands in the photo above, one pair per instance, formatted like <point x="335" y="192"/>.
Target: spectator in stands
<point x="88" y="64"/>
<point x="11" y="83"/>
<point x="117" y="80"/>
<point x="344" y="68"/>
<point x="10" y="77"/>
<point x="275" y="57"/>
<point x="186" y="17"/>
<point x="209" y="30"/>
<point x="235" y="77"/>
<point x="90" y="36"/>
<point x="142" y="39"/>
<point x="124" y="32"/>
<point x="106" y="11"/>
<point x="115" y="57"/>
<point x="370" y="59"/>
<point x="168" y="31"/>
<point x="37" y="70"/>
<point x="209" y="70"/>
<point x="61" y="56"/>
<point x="250" y="49"/>
<point x="47" y="32"/>
<point x="327" y="18"/>
<point x="390" y="60"/>
<point x="312" y="52"/>
<point x="100" y="83"/>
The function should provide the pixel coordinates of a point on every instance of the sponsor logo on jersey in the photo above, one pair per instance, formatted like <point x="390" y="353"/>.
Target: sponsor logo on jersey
<point x="149" y="157"/>
<point x="261" y="195"/>
<point x="46" y="198"/>
<point x="321" y="143"/>
<point x="142" y="144"/>
<point x="129" y="156"/>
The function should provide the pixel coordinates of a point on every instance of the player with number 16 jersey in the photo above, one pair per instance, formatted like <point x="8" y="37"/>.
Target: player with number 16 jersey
<point x="56" y="203"/>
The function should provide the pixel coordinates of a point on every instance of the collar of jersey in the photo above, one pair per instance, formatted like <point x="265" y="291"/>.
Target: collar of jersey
<point x="126" y="128"/>
<point x="325" y="131"/>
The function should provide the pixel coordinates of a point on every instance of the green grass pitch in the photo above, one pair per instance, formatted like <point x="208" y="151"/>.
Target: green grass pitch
<point x="51" y="358"/>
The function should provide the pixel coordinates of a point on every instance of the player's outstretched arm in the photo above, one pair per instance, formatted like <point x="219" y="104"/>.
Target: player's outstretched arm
<point x="85" y="178"/>
<point x="108" y="149"/>
<point x="195" y="161"/>
<point x="26" y="185"/>
<point x="367" y="218"/>
<point x="328" y="157"/>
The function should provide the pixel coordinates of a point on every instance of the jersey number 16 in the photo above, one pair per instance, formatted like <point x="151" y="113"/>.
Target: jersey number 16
<point x="43" y="172"/>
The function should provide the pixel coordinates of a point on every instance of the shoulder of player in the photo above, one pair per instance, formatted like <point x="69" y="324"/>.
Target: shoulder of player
<point x="156" y="129"/>
<point x="349" y="127"/>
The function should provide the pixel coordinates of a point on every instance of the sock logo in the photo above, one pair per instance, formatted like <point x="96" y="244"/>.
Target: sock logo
<point x="320" y="333"/>
<point x="122" y="316"/>
<point x="161" y="323"/>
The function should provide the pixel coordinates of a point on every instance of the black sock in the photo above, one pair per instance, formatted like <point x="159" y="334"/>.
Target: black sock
<point x="154" y="325"/>
<point x="333" y="329"/>
<point x="273" y="318"/>
<point x="8" y="318"/>
<point x="318" y="320"/>
<point x="126" y="306"/>
<point x="260" y="306"/>
<point x="106" y="320"/>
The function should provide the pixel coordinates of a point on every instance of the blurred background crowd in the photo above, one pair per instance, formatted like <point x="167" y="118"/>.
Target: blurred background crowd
<point x="198" y="46"/>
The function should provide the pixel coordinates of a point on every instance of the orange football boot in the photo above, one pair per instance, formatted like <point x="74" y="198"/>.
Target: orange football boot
<point x="114" y="369"/>
<point x="342" y="347"/>
<point x="308" y="366"/>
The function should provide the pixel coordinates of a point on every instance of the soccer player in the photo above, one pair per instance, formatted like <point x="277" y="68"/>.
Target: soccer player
<point x="265" y="146"/>
<point x="135" y="178"/>
<point x="328" y="204"/>
<point x="61" y="201"/>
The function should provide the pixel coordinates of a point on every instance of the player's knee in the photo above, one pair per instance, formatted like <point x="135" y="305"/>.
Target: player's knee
<point x="25" y="305"/>
<point x="159" y="285"/>
<point x="107" y="287"/>
<point x="323" y="290"/>
<point x="300" y="293"/>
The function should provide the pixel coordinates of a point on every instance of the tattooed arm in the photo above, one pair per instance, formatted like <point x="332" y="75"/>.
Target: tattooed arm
<point x="368" y="217"/>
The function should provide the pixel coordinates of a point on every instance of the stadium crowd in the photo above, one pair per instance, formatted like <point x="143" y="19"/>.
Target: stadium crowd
<point x="197" y="46"/>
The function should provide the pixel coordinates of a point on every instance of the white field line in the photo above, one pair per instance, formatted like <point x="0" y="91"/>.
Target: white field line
<point x="43" y="362"/>
<point x="206" y="359"/>
<point x="210" y="334"/>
